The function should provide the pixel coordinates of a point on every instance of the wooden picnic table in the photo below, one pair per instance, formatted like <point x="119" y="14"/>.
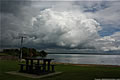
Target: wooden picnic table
<point x="42" y="65"/>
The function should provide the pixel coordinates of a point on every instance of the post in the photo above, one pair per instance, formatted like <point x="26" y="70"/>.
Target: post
<point x="27" y="65"/>
<point x="44" y="65"/>
<point x="21" y="47"/>
<point x="49" y="65"/>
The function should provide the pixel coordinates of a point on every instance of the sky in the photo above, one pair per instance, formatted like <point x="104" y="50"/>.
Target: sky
<point x="61" y="25"/>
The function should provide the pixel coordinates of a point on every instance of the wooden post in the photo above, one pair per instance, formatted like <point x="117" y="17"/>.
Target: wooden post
<point x="44" y="65"/>
<point x="27" y="63"/>
<point x="31" y="66"/>
<point x="38" y="62"/>
<point x="49" y="65"/>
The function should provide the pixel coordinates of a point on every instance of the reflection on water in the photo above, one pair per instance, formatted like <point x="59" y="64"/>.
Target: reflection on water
<point x="86" y="59"/>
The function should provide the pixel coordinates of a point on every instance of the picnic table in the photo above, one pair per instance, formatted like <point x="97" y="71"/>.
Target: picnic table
<point x="37" y="65"/>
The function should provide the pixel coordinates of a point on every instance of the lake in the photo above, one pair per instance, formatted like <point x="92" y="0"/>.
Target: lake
<point x="86" y="59"/>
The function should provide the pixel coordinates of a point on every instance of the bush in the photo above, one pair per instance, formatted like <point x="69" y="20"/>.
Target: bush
<point x="26" y="52"/>
<point x="42" y="53"/>
<point x="13" y="52"/>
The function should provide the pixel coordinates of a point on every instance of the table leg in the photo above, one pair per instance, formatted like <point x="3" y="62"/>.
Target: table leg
<point x="38" y="62"/>
<point x="48" y="65"/>
<point x="44" y="65"/>
<point x="21" y="68"/>
<point x="27" y="63"/>
<point x="31" y="66"/>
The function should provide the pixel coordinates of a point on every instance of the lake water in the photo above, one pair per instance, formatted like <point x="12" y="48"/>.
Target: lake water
<point x="86" y="59"/>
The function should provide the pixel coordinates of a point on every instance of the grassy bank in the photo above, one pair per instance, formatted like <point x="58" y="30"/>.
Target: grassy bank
<point x="70" y="72"/>
<point x="3" y="54"/>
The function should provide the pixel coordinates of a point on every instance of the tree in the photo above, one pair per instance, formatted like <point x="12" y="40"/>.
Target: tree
<point x="13" y="52"/>
<point x="29" y="52"/>
<point x="33" y="52"/>
<point x="42" y="53"/>
<point x="25" y="52"/>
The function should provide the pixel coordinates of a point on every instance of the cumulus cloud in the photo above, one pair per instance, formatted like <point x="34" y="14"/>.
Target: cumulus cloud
<point x="60" y="24"/>
<point x="65" y="28"/>
<point x="74" y="0"/>
<point x="109" y="43"/>
<point x="105" y="17"/>
<point x="107" y="14"/>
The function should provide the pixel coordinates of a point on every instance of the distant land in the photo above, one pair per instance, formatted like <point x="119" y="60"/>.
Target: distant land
<point x="88" y="53"/>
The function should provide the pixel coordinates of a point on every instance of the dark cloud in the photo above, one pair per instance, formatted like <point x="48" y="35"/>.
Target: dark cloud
<point x="12" y="19"/>
<point x="13" y="6"/>
<point x="56" y="25"/>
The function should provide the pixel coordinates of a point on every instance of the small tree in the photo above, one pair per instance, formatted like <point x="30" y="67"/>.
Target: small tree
<point x="33" y="52"/>
<point x="43" y="53"/>
<point x="13" y="52"/>
<point x="25" y="52"/>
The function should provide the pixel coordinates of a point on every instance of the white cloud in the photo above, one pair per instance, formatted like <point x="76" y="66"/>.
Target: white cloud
<point x="74" y="0"/>
<point x="63" y="24"/>
<point x="65" y="28"/>
<point x="109" y="15"/>
<point x="108" y="43"/>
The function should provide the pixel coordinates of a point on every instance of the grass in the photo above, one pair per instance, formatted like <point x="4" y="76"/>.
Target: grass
<point x="3" y="54"/>
<point x="70" y="72"/>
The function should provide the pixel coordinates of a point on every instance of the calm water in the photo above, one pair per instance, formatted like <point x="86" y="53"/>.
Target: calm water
<point x="86" y="59"/>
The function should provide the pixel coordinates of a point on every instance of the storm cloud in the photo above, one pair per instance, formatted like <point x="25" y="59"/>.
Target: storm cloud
<point x="71" y="25"/>
<point x="65" y="28"/>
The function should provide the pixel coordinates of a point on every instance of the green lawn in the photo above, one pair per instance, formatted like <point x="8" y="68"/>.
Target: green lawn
<point x="70" y="72"/>
<point x="3" y="54"/>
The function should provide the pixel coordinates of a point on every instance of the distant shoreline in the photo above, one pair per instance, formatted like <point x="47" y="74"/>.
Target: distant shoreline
<point x="89" y="53"/>
<point x="86" y="64"/>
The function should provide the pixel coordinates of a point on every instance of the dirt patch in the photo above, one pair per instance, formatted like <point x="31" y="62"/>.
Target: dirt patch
<point x="8" y="57"/>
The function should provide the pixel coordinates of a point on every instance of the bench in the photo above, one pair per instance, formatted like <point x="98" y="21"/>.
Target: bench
<point x="22" y="67"/>
<point x="28" y="68"/>
<point x="42" y="68"/>
<point x="38" y="68"/>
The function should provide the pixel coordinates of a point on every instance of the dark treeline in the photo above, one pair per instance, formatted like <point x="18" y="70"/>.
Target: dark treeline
<point x="26" y="52"/>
